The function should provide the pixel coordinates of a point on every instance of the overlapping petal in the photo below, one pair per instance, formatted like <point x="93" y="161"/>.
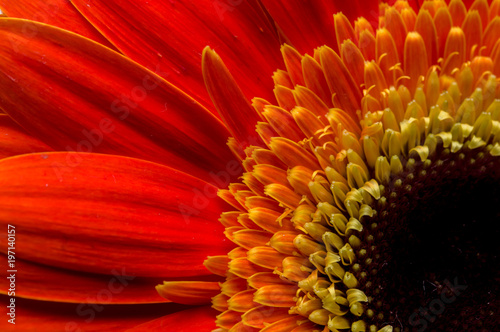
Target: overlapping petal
<point x="308" y="24"/>
<point x="182" y="29"/>
<point x="41" y="316"/>
<point x="189" y="292"/>
<point x="196" y="319"/>
<point x="148" y="219"/>
<point x="236" y="112"/>
<point x="75" y="94"/>
<point x="61" y="285"/>
<point x="123" y="214"/>
<point x="14" y="140"/>
<point x="59" y="13"/>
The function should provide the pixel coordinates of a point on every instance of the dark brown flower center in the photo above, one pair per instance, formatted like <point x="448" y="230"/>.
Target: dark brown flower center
<point x="430" y="256"/>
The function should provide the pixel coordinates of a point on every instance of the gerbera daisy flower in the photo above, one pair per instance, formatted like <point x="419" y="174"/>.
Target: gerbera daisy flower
<point x="338" y="173"/>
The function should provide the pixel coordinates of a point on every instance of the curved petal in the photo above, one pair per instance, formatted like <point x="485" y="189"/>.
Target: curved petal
<point x="95" y="100"/>
<point x="236" y="112"/>
<point x="309" y="24"/>
<point x="172" y="35"/>
<point x="100" y="213"/>
<point x="59" y="13"/>
<point x="197" y="319"/>
<point x="40" y="282"/>
<point x="41" y="316"/>
<point x="14" y="140"/>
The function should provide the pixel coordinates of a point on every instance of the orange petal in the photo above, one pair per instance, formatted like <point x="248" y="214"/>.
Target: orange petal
<point x="282" y="241"/>
<point x="243" y="268"/>
<point x="228" y="319"/>
<point x="88" y="210"/>
<point x="189" y="292"/>
<point x="266" y="257"/>
<point x="280" y="77"/>
<point x="494" y="9"/>
<point x="95" y="100"/>
<point x="249" y="238"/>
<point x="425" y="27"/>
<point x="397" y="28"/>
<point x="293" y="65"/>
<point x="340" y="81"/>
<point x="473" y="31"/>
<point x="236" y="112"/>
<point x="454" y="51"/>
<point x="264" y="156"/>
<point x="292" y="154"/>
<point x="374" y="79"/>
<point x="482" y="8"/>
<point x="353" y="59"/>
<point x="217" y="264"/>
<point x="286" y="324"/>
<point x="308" y="99"/>
<point x="409" y="18"/>
<point x="458" y="11"/>
<point x="262" y="279"/>
<point x="284" y="96"/>
<point x="491" y="34"/>
<point x="284" y="195"/>
<point x="242" y="301"/>
<point x="305" y="327"/>
<point x="367" y="45"/>
<point x="267" y="219"/>
<point x="281" y="296"/>
<point x="315" y="80"/>
<point x="387" y="54"/>
<point x="283" y="123"/>
<point x="233" y="285"/>
<point x="261" y="316"/>
<point x="443" y="24"/>
<point x="264" y="202"/>
<point x="415" y="59"/>
<point x="171" y="36"/>
<point x="343" y="30"/>
<point x="219" y="302"/>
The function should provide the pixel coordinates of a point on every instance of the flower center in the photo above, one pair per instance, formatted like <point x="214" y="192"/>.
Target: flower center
<point x="371" y="203"/>
<point x="427" y="257"/>
<point x="438" y="255"/>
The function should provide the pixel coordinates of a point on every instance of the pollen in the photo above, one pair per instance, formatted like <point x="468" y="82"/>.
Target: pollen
<point x="359" y="139"/>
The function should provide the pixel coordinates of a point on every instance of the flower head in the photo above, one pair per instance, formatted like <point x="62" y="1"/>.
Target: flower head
<point x="354" y="185"/>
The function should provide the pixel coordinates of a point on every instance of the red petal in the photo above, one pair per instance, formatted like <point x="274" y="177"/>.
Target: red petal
<point x="59" y="13"/>
<point x="189" y="292"/>
<point x="309" y="24"/>
<point x="96" y="213"/>
<point x="41" y="282"/>
<point x="197" y="319"/>
<point x="240" y="117"/>
<point x="95" y="100"/>
<point x="40" y="316"/>
<point x="171" y="35"/>
<point x="14" y="140"/>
